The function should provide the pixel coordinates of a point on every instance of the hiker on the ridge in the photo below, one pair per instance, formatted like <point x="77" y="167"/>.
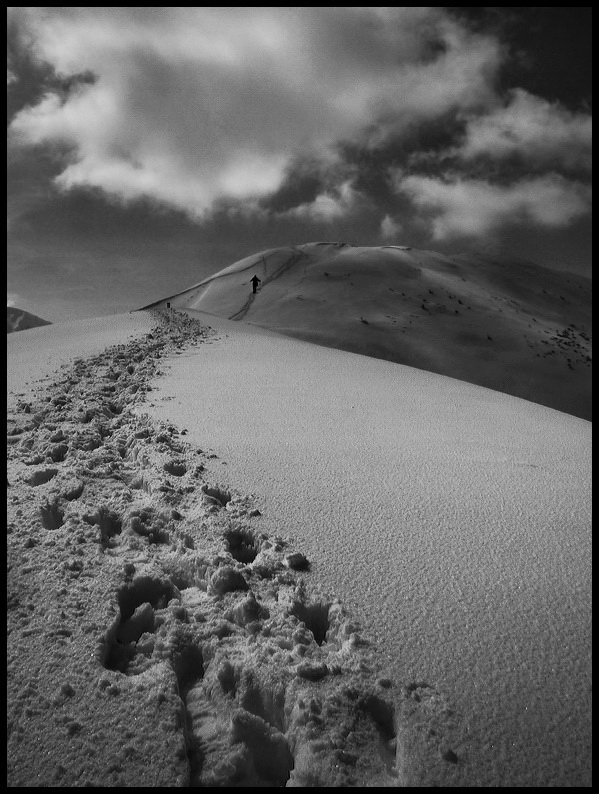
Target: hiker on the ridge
<point x="255" y="281"/>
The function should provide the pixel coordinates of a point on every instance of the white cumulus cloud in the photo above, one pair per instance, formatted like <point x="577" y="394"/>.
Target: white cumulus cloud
<point x="330" y="205"/>
<point x="194" y="105"/>
<point x="541" y="131"/>
<point x="475" y="207"/>
<point x="390" y="228"/>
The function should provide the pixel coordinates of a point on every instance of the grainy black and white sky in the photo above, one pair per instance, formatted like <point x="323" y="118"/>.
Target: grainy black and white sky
<point x="151" y="147"/>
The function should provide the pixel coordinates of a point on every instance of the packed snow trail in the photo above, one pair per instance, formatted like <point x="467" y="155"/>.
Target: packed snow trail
<point x="156" y="635"/>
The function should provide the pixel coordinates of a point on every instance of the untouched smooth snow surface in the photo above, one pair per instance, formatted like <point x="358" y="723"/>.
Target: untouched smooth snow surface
<point x="453" y="520"/>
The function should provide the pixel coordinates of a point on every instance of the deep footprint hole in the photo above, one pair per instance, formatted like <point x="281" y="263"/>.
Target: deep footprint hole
<point x="175" y="468"/>
<point x="59" y="452"/>
<point x="158" y="537"/>
<point x="188" y="666"/>
<point x="110" y="523"/>
<point x="315" y="617"/>
<point x="150" y="525"/>
<point x="242" y="544"/>
<point x="52" y="516"/>
<point x="41" y="477"/>
<point x="266" y="703"/>
<point x="155" y="591"/>
<point x="137" y="603"/>
<point x="382" y="714"/>
<point x="271" y="757"/>
<point x="218" y="495"/>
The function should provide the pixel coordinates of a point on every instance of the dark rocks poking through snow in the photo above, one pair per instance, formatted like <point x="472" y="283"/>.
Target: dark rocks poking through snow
<point x="156" y="637"/>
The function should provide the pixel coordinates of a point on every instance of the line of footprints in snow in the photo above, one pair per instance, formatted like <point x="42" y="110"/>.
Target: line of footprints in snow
<point x="277" y="685"/>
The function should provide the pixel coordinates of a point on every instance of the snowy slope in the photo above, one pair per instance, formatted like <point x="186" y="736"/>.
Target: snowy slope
<point x="455" y="520"/>
<point x="20" y="320"/>
<point x="505" y="324"/>
<point x="163" y="629"/>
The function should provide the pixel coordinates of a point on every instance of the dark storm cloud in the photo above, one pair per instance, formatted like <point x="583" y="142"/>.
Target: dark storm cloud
<point x="548" y="49"/>
<point x="202" y="104"/>
<point x="245" y="128"/>
<point x="28" y="77"/>
<point x="302" y="182"/>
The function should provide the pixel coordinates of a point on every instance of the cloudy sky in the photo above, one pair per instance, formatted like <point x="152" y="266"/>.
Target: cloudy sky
<point x="151" y="147"/>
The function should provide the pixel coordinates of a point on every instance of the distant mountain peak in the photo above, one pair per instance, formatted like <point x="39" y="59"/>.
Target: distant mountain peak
<point x="494" y="321"/>
<point x="20" y="320"/>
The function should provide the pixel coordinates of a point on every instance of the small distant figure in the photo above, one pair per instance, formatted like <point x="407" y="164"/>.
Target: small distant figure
<point x="255" y="281"/>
